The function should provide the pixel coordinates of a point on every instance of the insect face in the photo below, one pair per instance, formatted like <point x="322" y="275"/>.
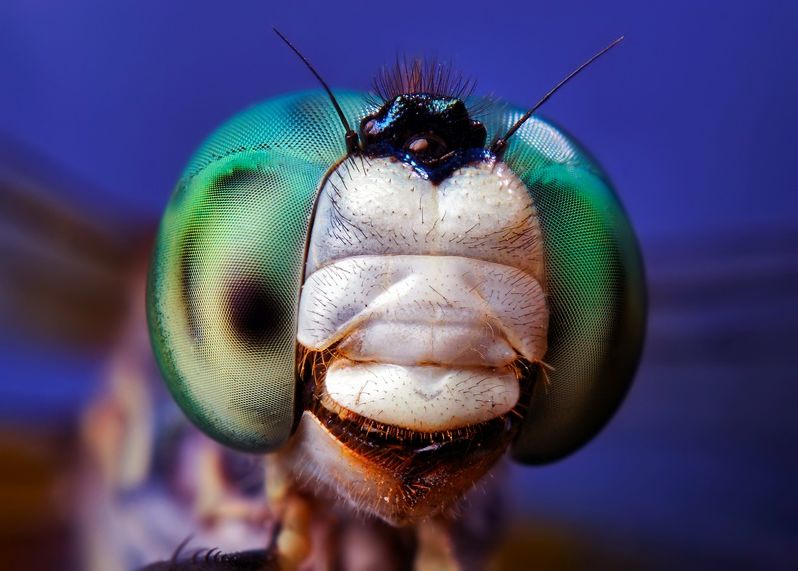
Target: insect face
<point x="428" y="301"/>
<point x="393" y="309"/>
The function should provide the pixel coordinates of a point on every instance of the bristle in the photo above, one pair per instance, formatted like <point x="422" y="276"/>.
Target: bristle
<point x="417" y="75"/>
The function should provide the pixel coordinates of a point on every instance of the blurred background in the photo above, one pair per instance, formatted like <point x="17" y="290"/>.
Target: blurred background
<point x="694" y="117"/>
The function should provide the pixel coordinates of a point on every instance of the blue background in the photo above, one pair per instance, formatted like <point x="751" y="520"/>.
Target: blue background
<point x="694" y="117"/>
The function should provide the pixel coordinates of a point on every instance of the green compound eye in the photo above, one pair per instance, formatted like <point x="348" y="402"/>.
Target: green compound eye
<point x="228" y="266"/>
<point x="595" y="289"/>
<point x="597" y="298"/>
<point x="227" y="269"/>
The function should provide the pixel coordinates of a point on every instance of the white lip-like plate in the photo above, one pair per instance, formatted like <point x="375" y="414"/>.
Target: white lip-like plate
<point x="412" y="310"/>
<point x="425" y="399"/>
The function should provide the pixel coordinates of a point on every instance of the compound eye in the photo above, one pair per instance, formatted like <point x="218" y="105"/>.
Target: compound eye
<point x="222" y="299"/>
<point x="596" y="297"/>
<point x="426" y="147"/>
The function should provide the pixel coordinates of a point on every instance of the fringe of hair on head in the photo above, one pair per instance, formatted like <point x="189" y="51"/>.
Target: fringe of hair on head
<point x="419" y="75"/>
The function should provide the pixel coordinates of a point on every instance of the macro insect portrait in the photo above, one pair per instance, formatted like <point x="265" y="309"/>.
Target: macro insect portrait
<point x="386" y="292"/>
<point x="461" y="286"/>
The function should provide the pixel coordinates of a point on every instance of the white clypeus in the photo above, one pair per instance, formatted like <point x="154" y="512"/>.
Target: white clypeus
<point x="428" y="293"/>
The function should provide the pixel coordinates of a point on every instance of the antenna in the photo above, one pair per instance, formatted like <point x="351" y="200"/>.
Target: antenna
<point x="350" y="136"/>
<point x="500" y="146"/>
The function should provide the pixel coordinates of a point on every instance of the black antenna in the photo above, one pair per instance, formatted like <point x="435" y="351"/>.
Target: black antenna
<point x="351" y="136"/>
<point x="500" y="146"/>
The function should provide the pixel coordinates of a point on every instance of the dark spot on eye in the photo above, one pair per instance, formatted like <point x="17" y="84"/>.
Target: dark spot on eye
<point x="256" y="312"/>
<point x="242" y="183"/>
